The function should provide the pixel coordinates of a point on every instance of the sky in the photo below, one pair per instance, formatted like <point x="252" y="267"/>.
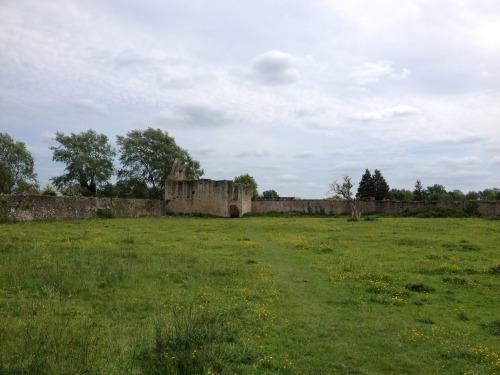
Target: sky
<point x="295" y="93"/>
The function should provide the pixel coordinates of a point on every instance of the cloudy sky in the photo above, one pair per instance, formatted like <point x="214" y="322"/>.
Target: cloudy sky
<point x="296" y="93"/>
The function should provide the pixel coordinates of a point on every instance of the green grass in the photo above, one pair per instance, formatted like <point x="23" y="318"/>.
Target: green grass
<point x="257" y="295"/>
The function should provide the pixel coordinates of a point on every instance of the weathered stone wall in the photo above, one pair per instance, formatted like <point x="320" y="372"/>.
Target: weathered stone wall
<point x="210" y="197"/>
<point x="328" y="207"/>
<point x="42" y="207"/>
<point x="207" y="197"/>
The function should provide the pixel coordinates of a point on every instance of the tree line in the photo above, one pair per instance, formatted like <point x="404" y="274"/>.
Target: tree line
<point x="145" y="157"/>
<point x="374" y="186"/>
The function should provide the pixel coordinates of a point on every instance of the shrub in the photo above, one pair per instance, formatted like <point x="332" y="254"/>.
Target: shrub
<point x="455" y="280"/>
<point x="495" y="270"/>
<point x="419" y="287"/>
<point x="49" y="190"/>
<point x="104" y="214"/>
<point x="424" y="320"/>
<point x="493" y="328"/>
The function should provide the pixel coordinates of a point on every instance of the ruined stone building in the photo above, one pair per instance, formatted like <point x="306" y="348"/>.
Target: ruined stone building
<point x="207" y="197"/>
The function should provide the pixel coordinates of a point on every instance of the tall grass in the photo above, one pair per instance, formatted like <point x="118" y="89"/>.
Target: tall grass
<point x="257" y="295"/>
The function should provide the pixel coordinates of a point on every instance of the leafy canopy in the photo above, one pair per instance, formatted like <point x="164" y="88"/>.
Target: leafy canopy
<point x="342" y="189"/>
<point x="270" y="194"/>
<point x="17" y="174"/>
<point x="89" y="161"/>
<point x="148" y="155"/>
<point x="248" y="180"/>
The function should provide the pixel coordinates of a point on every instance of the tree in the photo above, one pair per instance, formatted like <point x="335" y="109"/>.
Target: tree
<point x="471" y="196"/>
<point x="400" y="195"/>
<point x="344" y="190"/>
<point x="380" y="186"/>
<point x="456" y="195"/>
<point x="148" y="155"/>
<point x="89" y="162"/>
<point x="489" y="194"/>
<point x="248" y="180"/>
<point x="270" y="194"/>
<point x="132" y="188"/>
<point x="437" y="192"/>
<point x="373" y="186"/>
<point x="419" y="193"/>
<point x="366" y="188"/>
<point x="17" y="174"/>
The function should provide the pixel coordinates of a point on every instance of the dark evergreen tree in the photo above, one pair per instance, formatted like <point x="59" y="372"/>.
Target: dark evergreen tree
<point x="366" y="188"/>
<point x="419" y="193"/>
<point x="380" y="186"/>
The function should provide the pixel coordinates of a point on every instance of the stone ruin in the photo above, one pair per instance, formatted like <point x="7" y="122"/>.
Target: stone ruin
<point x="205" y="197"/>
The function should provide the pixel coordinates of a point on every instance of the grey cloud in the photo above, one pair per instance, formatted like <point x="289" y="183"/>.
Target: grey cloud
<point x="243" y="155"/>
<point x="459" y="139"/>
<point x="288" y="178"/>
<point x="129" y="58"/>
<point x="495" y="160"/>
<point x="459" y="162"/>
<point x="304" y="155"/>
<point x="275" y="67"/>
<point x="261" y="154"/>
<point x="196" y="115"/>
<point x="257" y="154"/>
<point x="88" y="106"/>
<point x="204" y="115"/>
<point x="204" y="151"/>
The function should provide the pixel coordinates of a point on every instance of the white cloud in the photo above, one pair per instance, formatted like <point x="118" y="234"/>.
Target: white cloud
<point x="387" y="113"/>
<point x="372" y="72"/>
<point x="399" y="111"/>
<point x="495" y="160"/>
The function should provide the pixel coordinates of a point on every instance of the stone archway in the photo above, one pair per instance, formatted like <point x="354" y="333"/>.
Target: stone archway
<point x="234" y="211"/>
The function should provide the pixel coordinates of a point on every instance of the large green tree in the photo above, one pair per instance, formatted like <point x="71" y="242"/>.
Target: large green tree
<point x="437" y="192"/>
<point x="401" y="195"/>
<point x="270" y="194"/>
<point x="17" y="174"/>
<point x="148" y="155"/>
<point x="89" y="162"/>
<point x="248" y="180"/>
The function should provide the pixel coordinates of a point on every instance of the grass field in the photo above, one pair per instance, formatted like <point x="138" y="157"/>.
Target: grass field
<point x="257" y="295"/>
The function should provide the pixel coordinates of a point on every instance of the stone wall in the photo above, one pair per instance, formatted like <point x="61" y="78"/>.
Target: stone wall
<point x="207" y="197"/>
<point x="328" y="207"/>
<point x="42" y="207"/>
